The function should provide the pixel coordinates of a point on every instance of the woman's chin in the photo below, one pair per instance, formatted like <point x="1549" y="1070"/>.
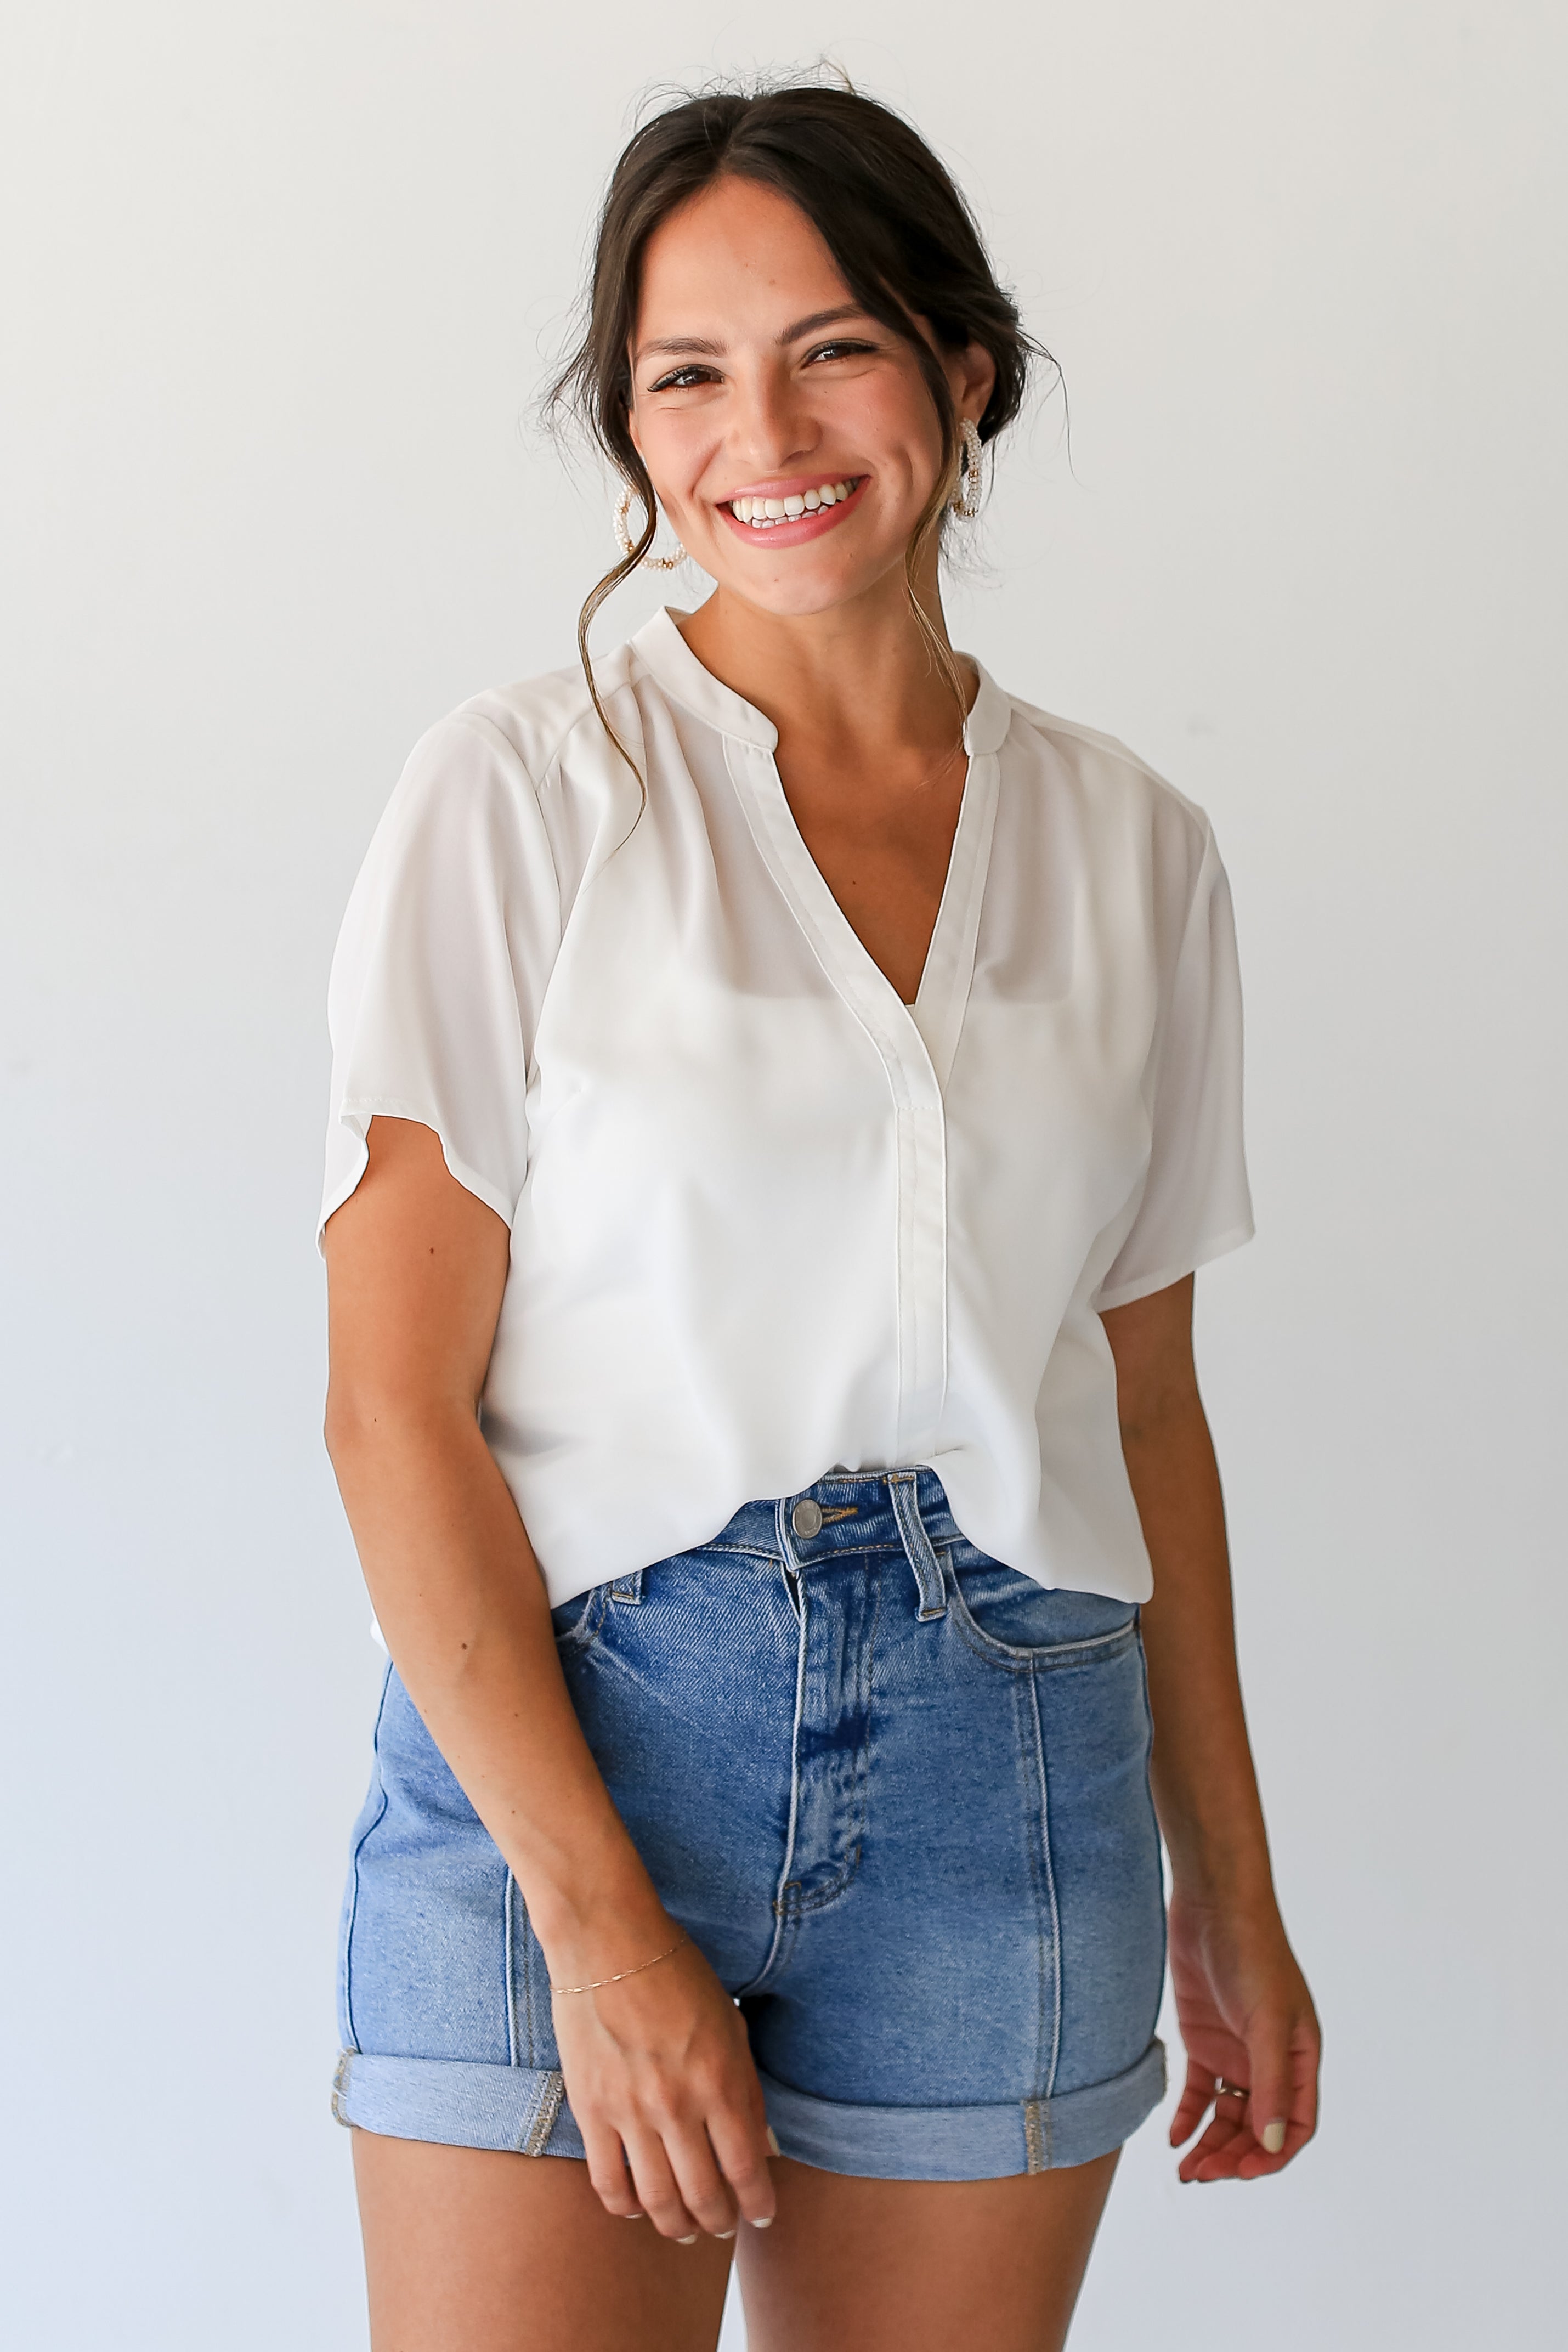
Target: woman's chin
<point x="803" y="593"/>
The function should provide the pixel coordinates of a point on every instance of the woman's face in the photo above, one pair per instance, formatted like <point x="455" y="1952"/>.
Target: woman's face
<point x="756" y="382"/>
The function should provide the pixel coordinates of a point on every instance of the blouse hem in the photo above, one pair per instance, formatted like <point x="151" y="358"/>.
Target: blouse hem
<point x="356" y="1115"/>
<point x="1146" y="1285"/>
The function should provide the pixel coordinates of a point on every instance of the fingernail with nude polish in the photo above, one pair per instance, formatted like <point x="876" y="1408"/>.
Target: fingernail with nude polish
<point x="764" y="2225"/>
<point x="722" y="2234"/>
<point x="687" y="2241"/>
<point x="1274" y="2137"/>
<point x="773" y="2141"/>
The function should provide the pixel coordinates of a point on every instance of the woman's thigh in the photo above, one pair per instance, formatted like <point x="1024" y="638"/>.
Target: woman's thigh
<point x="922" y="2265"/>
<point x="470" y="2249"/>
<point x="475" y="2249"/>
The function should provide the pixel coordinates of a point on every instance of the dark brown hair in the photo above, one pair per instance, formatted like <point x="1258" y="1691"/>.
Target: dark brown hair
<point x="902" y="237"/>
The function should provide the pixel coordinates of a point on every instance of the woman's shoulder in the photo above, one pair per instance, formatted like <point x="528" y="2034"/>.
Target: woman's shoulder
<point x="517" y="791"/>
<point x="1106" y="772"/>
<point x="535" y="723"/>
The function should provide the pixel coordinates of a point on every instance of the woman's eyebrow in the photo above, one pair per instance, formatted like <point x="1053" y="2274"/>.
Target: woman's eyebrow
<point x="822" y="318"/>
<point x="670" y="343"/>
<point x="671" y="346"/>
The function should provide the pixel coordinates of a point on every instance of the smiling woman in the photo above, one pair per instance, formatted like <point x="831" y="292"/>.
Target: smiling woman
<point x="893" y="234"/>
<point x="783" y="1088"/>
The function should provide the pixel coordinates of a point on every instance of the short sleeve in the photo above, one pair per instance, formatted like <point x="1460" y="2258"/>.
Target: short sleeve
<point x="1195" y="1204"/>
<point x="446" y="948"/>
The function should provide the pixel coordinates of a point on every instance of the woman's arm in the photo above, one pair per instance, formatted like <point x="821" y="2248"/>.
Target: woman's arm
<point x="658" y="2065"/>
<point x="1243" y="2004"/>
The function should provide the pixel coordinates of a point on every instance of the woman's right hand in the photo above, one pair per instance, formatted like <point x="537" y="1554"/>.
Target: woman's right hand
<point x="657" y="2067"/>
<point x="660" y="2078"/>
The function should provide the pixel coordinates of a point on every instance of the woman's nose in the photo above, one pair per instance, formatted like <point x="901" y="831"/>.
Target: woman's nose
<point x="771" y="426"/>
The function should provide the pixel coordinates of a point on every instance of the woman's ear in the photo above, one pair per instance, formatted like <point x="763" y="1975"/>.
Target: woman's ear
<point x="972" y="373"/>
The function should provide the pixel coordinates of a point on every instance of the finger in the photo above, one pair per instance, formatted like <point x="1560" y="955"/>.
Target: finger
<point x="1225" y="2162"/>
<point x="1269" y="2072"/>
<point x="699" y="2181"/>
<point x="1302" y="2122"/>
<point x="1197" y="2098"/>
<point x="1217" y="2141"/>
<point x="657" y="2191"/>
<point x="1258" y="2163"/>
<point x="740" y="2144"/>
<point x="612" y="2183"/>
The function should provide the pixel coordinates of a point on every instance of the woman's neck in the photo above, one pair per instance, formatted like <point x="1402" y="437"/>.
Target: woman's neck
<point x="863" y="673"/>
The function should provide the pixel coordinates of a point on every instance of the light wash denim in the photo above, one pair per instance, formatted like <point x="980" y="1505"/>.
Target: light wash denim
<point x="896" y="1792"/>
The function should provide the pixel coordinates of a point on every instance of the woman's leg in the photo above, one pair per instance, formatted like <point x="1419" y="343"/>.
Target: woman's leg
<point x="921" y="2266"/>
<point x="470" y="2249"/>
<point x="467" y="2250"/>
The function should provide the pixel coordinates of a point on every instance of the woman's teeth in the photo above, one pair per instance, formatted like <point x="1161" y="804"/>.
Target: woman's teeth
<point x="765" y="514"/>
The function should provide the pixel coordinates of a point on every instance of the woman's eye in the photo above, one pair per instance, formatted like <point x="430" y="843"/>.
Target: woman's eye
<point x="843" y="351"/>
<point x="682" y="379"/>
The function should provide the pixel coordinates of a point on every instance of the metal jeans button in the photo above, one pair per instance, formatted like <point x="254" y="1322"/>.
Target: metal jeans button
<point x="806" y="1518"/>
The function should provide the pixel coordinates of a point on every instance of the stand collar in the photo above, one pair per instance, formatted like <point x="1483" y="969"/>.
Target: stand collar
<point x="664" y="653"/>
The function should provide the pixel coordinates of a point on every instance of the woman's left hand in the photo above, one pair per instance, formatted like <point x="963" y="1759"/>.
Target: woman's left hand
<point x="1246" y="2017"/>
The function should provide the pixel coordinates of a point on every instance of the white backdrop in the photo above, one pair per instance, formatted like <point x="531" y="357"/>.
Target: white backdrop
<point x="280" y="285"/>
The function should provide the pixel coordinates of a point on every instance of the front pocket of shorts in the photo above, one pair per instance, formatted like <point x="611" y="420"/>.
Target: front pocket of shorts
<point x="1012" y="1620"/>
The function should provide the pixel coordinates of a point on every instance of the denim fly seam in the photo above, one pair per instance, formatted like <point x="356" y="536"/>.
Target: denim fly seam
<point x="825" y="1728"/>
<point x="829" y="1803"/>
<point x="794" y="1592"/>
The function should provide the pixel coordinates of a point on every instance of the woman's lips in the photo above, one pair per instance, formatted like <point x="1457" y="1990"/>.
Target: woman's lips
<point x="793" y="530"/>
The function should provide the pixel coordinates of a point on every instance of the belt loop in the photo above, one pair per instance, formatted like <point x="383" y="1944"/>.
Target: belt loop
<point x="905" y="1488"/>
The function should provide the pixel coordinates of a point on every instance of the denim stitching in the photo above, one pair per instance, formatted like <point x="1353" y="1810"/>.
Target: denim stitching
<point x="1047" y="1661"/>
<point x="781" y="1911"/>
<point x="859" y="1805"/>
<point x="544" y="2116"/>
<point x="1043" y="1660"/>
<point x="781" y="1905"/>
<point x="831" y="1552"/>
<point x="862" y="1761"/>
<point x="1154" y="1816"/>
<point x="1032" y="1779"/>
<point x="511" y="1979"/>
<point x="530" y="1993"/>
<point x="904" y="1492"/>
<point x="370" y="1829"/>
<point x="1050" y="2086"/>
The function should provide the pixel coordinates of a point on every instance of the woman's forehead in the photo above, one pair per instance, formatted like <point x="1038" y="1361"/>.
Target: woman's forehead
<point x="733" y="256"/>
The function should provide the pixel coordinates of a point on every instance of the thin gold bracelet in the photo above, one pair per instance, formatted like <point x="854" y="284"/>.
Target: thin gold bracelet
<point x="621" y="1974"/>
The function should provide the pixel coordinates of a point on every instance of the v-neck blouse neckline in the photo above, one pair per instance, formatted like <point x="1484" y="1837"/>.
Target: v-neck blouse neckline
<point x="936" y="1015"/>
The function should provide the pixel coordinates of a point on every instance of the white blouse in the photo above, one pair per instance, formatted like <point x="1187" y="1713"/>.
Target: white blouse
<point x="767" y="1221"/>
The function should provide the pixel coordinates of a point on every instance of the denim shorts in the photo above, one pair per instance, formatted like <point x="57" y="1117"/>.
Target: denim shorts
<point x="896" y="1792"/>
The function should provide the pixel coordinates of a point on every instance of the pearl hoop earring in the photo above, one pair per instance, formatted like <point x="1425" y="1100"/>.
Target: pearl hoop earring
<point x="624" y="539"/>
<point x="965" y="499"/>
